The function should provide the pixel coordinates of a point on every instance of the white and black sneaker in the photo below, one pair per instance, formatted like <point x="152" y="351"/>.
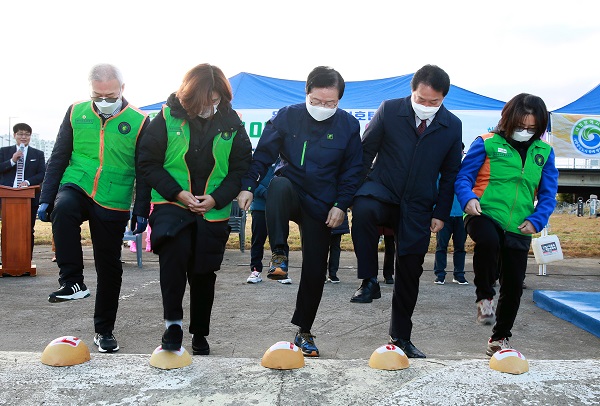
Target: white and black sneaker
<point x="69" y="291"/>
<point x="106" y="342"/>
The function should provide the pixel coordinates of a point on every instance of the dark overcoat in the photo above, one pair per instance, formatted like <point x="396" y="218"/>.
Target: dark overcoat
<point x="407" y="166"/>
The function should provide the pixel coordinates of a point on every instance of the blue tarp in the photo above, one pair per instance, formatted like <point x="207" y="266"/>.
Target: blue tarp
<point x="589" y="103"/>
<point x="260" y="92"/>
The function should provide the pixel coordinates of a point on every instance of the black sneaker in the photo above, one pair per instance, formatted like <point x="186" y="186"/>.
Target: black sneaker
<point x="69" y="291"/>
<point x="200" y="345"/>
<point x="172" y="338"/>
<point x="106" y="342"/>
<point x="333" y="279"/>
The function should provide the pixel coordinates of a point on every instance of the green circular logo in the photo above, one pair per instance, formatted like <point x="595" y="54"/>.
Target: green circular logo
<point x="124" y="128"/>
<point x="226" y="136"/>
<point x="539" y="160"/>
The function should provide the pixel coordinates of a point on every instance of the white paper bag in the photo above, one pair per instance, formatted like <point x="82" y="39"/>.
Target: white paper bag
<point x="546" y="249"/>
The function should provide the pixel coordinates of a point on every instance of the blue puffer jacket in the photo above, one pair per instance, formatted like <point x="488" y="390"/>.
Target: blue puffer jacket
<point x="322" y="159"/>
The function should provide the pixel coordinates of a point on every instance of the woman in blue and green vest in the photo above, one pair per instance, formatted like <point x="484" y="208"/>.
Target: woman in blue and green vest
<point x="501" y="176"/>
<point x="194" y="157"/>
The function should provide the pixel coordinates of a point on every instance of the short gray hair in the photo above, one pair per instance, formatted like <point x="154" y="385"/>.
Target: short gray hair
<point x="103" y="72"/>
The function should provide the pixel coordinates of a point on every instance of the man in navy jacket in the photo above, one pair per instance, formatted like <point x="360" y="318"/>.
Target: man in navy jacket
<point x="320" y="170"/>
<point x="414" y="139"/>
<point x="33" y="171"/>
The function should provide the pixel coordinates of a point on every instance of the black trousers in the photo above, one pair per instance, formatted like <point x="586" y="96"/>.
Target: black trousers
<point x="406" y="291"/>
<point x="367" y="215"/>
<point x="389" y="256"/>
<point x="490" y="256"/>
<point x="335" y="250"/>
<point x="283" y="205"/>
<point x="192" y="255"/>
<point x="258" y="239"/>
<point x="71" y="209"/>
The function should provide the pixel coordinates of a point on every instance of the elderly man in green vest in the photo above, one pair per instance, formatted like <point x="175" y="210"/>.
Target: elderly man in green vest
<point x="91" y="177"/>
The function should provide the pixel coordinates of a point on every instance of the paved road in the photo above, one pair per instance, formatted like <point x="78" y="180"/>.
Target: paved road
<point x="247" y="319"/>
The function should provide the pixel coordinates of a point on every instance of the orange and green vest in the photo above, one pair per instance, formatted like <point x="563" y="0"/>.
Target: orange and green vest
<point x="103" y="158"/>
<point x="506" y="188"/>
<point x="178" y="143"/>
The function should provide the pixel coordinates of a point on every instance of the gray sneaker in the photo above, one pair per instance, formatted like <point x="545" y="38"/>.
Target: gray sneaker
<point x="495" y="346"/>
<point x="486" y="314"/>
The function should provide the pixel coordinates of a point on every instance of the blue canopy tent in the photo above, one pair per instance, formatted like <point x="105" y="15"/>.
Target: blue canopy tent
<point x="589" y="103"/>
<point x="258" y="97"/>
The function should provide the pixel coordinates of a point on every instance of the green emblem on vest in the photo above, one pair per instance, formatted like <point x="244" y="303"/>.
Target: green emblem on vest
<point x="226" y="136"/>
<point x="329" y="136"/>
<point x="124" y="128"/>
<point x="539" y="160"/>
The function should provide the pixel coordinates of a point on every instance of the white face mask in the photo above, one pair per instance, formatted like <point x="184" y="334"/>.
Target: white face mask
<point x="522" y="136"/>
<point x="109" y="108"/>
<point x="319" y="113"/>
<point x="424" y="112"/>
<point x="208" y="113"/>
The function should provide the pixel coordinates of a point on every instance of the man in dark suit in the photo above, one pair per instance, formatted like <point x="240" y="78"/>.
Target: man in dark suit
<point x="34" y="166"/>
<point x="415" y="139"/>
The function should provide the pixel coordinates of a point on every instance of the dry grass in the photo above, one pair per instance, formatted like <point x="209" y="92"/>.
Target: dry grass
<point x="579" y="236"/>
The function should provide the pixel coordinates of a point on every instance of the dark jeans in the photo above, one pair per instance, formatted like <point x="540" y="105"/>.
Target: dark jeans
<point x="491" y="255"/>
<point x="71" y="209"/>
<point x="367" y="215"/>
<point x="334" y="253"/>
<point x="258" y="239"/>
<point x="455" y="228"/>
<point x="181" y="260"/>
<point x="283" y="205"/>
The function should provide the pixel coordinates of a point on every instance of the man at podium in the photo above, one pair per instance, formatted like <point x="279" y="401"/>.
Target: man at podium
<point x="21" y="165"/>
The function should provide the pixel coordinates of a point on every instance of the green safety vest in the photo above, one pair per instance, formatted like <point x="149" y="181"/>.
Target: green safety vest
<point x="505" y="186"/>
<point x="178" y="143"/>
<point x="103" y="158"/>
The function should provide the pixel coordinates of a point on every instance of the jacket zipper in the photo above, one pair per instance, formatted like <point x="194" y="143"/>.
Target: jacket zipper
<point x="303" y="152"/>
<point x="101" y="159"/>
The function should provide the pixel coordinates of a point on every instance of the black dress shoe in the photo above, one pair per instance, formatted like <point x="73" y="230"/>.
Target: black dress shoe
<point x="200" y="345"/>
<point x="389" y="280"/>
<point x="409" y="349"/>
<point x="367" y="291"/>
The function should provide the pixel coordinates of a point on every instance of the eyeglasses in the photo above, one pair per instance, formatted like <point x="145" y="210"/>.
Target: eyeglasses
<point x="529" y="130"/>
<point x="316" y="102"/>
<point x="23" y="134"/>
<point x="107" y="99"/>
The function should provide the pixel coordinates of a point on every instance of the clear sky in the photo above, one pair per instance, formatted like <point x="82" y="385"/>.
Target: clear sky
<point x="497" y="48"/>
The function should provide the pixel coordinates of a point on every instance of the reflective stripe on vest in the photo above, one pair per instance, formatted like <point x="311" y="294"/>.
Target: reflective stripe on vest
<point x="103" y="159"/>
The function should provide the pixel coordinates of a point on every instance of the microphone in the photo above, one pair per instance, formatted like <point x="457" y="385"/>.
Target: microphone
<point x="22" y="147"/>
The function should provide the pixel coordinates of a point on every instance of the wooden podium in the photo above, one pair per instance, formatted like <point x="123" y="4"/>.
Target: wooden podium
<point x="16" y="230"/>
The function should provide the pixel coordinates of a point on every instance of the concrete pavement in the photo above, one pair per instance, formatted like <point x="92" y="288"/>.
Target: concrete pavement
<point x="248" y="318"/>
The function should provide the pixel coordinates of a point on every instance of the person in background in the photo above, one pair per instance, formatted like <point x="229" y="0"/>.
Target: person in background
<point x="415" y="139"/>
<point x="259" y="228"/>
<point x="321" y="157"/>
<point x="455" y="228"/>
<point x="389" y="254"/>
<point x="21" y="165"/>
<point x="335" y="250"/>
<point x="194" y="156"/>
<point x="90" y="177"/>
<point x="500" y="178"/>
